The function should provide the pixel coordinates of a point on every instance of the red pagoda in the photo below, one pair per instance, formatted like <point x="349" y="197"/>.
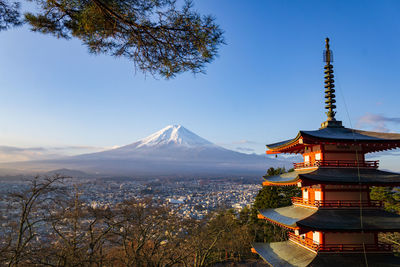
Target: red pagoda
<point x="334" y="223"/>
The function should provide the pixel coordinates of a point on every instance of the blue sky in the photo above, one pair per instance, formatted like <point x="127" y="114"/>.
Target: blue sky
<point x="266" y="84"/>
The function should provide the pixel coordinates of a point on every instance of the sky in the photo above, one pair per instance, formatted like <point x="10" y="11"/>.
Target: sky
<point x="265" y="86"/>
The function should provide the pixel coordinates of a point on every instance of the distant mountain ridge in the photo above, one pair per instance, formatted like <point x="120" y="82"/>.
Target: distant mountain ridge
<point x="174" y="150"/>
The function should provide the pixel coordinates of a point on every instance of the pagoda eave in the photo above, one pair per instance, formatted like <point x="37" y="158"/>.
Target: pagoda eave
<point x="332" y="220"/>
<point x="369" y="141"/>
<point x="344" y="220"/>
<point x="286" y="216"/>
<point x="291" y="183"/>
<point x="284" y="254"/>
<point x="334" y="176"/>
<point x="350" y="176"/>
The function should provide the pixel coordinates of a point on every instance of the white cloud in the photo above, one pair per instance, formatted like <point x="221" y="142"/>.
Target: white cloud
<point x="245" y="149"/>
<point x="376" y="122"/>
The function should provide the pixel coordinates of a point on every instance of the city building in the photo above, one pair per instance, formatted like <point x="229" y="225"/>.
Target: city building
<point x="334" y="223"/>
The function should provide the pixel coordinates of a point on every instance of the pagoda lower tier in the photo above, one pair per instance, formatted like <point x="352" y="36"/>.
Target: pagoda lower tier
<point x="335" y="230"/>
<point x="333" y="217"/>
<point x="289" y="253"/>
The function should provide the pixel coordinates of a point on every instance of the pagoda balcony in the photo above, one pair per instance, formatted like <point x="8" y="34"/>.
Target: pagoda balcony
<point x="314" y="246"/>
<point x="304" y="241"/>
<point x="337" y="203"/>
<point x="370" y="164"/>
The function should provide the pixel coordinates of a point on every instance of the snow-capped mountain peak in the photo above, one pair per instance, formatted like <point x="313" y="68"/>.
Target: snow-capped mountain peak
<point x="173" y="134"/>
<point x="172" y="151"/>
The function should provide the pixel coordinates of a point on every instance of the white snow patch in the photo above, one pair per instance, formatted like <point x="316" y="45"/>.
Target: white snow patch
<point x="173" y="134"/>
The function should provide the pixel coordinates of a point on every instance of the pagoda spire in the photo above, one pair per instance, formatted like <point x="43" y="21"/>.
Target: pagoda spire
<point x="329" y="90"/>
<point x="329" y="83"/>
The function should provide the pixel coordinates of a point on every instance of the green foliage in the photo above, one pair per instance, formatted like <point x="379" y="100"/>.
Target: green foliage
<point x="271" y="197"/>
<point x="391" y="199"/>
<point x="272" y="171"/>
<point x="160" y="38"/>
<point x="9" y="15"/>
<point x="389" y="196"/>
<point x="267" y="198"/>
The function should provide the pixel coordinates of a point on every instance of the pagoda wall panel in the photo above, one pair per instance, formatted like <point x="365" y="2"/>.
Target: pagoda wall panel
<point x="349" y="238"/>
<point x="345" y="187"/>
<point x="313" y="156"/>
<point x="317" y="237"/>
<point x="346" y="195"/>
<point x="352" y="148"/>
<point x="310" y="193"/>
<point x="315" y="148"/>
<point x="309" y="235"/>
<point x="343" y="156"/>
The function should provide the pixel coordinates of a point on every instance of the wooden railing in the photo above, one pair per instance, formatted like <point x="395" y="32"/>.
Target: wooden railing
<point x="311" y="244"/>
<point x="370" y="164"/>
<point x="305" y="241"/>
<point x="337" y="203"/>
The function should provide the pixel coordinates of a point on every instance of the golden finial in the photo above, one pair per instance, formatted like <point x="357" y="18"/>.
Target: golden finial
<point x="327" y="54"/>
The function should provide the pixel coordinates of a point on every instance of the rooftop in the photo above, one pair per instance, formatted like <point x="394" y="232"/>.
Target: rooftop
<point x="384" y="141"/>
<point x="287" y="216"/>
<point x="350" y="220"/>
<point x="284" y="254"/>
<point x="335" y="176"/>
<point x="333" y="219"/>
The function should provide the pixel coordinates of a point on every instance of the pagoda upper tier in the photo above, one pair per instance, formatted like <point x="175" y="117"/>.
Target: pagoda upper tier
<point x="332" y="139"/>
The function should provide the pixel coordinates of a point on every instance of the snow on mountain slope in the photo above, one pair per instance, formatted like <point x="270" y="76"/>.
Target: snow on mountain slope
<point x="173" y="141"/>
<point x="173" y="134"/>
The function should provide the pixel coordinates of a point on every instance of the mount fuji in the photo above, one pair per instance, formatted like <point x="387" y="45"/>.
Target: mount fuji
<point x="174" y="150"/>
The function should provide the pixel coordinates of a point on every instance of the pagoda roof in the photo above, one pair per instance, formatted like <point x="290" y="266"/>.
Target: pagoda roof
<point x="284" y="254"/>
<point x="287" y="178"/>
<point x="294" y="217"/>
<point x="349" y="220"/>
<point x="327" y="175"/>
<point x="288" y="254"/>
<point x="355" y="259"/>
<point x="334" y="133"/>
<point x="337" y="135"/>
<point x="287" y="216"/>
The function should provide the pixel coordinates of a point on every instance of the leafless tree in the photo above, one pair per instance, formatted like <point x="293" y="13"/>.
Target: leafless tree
<point x="29" y="211"/>
<point x="80" y="234"/>
<point x="149" y="235"/>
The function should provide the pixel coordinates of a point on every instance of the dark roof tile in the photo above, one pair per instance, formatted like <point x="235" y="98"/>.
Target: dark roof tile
<point x="338" y="176"/>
